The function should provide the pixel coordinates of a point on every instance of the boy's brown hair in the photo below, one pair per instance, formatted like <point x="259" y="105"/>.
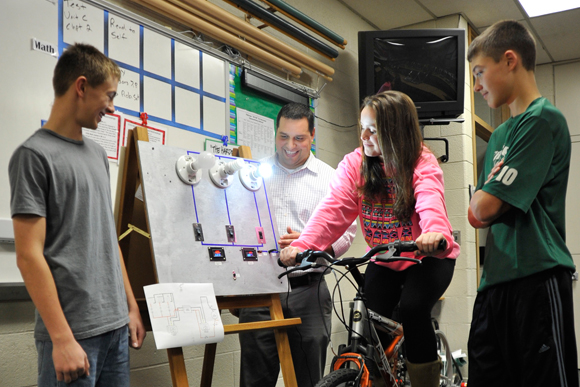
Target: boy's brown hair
<point x="502" y="36"/>
<point x="82" y="59"/>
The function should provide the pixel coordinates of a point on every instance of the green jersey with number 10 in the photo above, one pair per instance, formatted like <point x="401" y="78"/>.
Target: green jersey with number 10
<point x="531" y="237"/>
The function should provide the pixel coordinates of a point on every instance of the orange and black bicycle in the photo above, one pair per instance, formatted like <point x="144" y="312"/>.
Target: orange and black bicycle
<point x="363" y="361"/>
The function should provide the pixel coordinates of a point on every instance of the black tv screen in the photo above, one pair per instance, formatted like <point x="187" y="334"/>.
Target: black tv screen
<point x="428" y="65"/>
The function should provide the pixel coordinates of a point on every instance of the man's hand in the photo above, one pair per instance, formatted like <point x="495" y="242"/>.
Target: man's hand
<point x="70" y="361"/>
<point x="137" y="331"/>
<point x="286" y="239"/>
<point x="428" y="243"/>
<point x="288" y="255"/>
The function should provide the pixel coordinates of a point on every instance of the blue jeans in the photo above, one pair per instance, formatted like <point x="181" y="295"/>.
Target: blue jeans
<point x="108" y="356"/>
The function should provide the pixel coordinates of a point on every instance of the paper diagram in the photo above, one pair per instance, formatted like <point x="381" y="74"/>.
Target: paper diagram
<point x="183" y="314"/>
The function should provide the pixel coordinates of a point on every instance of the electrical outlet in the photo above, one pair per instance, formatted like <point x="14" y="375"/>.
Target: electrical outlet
<point x="457" y="236"/>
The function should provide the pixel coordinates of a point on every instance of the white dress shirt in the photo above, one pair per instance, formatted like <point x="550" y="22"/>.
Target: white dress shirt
<point x="294" y="195"/>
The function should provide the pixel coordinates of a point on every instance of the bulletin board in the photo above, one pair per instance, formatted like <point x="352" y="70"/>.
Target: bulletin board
<point x="253" y="101"/>
<point x="182" y="85"/>
<point x="250" y="100"/>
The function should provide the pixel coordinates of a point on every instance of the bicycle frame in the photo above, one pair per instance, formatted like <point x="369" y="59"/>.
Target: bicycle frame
<point x="391" y="354"/>
<point x="364" y="340"/>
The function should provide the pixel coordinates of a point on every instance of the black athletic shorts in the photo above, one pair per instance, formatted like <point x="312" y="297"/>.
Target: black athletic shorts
<point x="522" y="333"/>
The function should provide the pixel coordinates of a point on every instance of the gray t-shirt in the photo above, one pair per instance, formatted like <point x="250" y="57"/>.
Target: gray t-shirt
<point x="67" y="182"/>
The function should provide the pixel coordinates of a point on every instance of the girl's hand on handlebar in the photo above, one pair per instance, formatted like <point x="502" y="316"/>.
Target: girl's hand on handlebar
<point x="288" y="255"/>
<point x="428" y="243"/>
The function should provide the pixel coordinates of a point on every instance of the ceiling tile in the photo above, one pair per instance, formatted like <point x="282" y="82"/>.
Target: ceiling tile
<point x="480" y="13"/>
<point x="388" y="14"/>
<point x="542" y="56"/>
<point x="560" y="33"/>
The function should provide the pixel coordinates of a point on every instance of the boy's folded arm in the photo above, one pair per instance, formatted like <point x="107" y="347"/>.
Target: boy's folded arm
<point x="484" y="208"/>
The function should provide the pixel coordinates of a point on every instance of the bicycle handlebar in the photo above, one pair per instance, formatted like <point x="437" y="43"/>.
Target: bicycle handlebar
<point x="393" y="248"/>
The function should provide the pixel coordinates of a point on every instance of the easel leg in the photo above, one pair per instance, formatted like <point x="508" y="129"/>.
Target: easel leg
<point x="208" y="363"/>
<point x="177" y="367"/>
<point x="283" y="344"/>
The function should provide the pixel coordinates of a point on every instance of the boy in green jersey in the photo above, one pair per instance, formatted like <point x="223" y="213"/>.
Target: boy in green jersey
<point x="522" y="332"/>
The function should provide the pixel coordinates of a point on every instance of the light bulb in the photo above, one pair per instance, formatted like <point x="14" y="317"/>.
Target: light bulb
<point x="265" y="170"/>
<point x="233" y="166"/>
<point x="189" y="168"/>
<point x="204" y="160"/>
<point x="251" y="175"/>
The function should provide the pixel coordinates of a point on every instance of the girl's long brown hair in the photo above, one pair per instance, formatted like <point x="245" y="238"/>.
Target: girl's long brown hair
<point x="400" y="141"/>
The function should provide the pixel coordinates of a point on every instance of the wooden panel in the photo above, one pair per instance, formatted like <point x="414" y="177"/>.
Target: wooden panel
<point x="283" y="344"/>
<point x="254" y="326"/>
<point x="482" y="128"/>
<point x="177" y="367"/>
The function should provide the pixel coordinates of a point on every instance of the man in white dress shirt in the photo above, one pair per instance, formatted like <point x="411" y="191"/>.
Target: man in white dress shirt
<point x="299" y="182"/>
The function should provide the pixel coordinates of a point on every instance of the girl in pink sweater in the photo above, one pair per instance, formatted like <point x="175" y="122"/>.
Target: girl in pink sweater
<point x="394" y="184"/>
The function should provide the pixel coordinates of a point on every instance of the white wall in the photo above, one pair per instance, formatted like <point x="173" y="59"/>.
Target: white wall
<point x="560" y="84"/>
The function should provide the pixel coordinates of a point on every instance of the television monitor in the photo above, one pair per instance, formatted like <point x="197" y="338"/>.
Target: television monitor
<point x="426" y="64"/>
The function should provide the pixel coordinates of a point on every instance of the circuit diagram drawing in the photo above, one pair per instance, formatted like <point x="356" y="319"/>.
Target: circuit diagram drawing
<point x="205" y="317"/>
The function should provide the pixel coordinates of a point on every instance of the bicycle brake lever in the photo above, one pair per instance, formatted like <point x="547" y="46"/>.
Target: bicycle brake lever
<point x="297" y="268"/>
<point x="305" y="262"/>
<point x="389" y="254"/>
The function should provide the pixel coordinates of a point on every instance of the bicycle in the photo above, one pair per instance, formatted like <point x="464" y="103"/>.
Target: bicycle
<point x="363" y="359"/>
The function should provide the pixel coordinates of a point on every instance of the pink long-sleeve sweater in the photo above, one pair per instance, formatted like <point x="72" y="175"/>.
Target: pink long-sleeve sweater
<point x="343" y="204"/>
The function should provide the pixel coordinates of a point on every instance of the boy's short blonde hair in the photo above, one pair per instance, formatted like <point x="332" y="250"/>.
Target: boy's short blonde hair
<point x="83" y="59"/>
<point x="502" y="36"/>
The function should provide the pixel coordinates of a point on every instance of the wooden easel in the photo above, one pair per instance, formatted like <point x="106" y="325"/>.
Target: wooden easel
<point x="139" y="261"/>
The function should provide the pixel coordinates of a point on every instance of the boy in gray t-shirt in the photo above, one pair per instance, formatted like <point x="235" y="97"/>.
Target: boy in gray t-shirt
<point x="65" y="237"/>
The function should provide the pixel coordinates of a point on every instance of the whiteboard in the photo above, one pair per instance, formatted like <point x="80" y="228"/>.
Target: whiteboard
<point x="162" y="73"/>
<point x="82" y="23"/>
<point x="27" y="93"/>
<point x="156" y="66"/>
<point x="123" y="39"/>
<point x="182" y="85"/>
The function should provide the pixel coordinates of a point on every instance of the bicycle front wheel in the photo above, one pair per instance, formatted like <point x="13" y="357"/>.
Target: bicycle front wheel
<point x="340" y="378"/>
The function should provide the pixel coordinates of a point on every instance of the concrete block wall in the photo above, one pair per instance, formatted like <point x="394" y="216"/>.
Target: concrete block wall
<point x="559" y="83"/>
<point x="18" y="358"/>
